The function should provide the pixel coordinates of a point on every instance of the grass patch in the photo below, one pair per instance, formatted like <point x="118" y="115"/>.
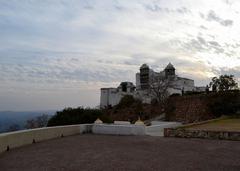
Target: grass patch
<point x="226" y="124"/>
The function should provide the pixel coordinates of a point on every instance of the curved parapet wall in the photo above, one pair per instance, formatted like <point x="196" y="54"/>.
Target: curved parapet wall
<point x="20" y="138"/>
<point x="25" y="137"/>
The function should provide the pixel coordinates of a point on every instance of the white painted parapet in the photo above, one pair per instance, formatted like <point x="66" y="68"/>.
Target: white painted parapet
<point x="20" y="138"/>
<point x="122" y="122"/>
<point x="113" y="129"/>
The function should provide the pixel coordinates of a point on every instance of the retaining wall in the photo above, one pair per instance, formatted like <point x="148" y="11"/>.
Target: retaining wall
<point x="184" y="133"/>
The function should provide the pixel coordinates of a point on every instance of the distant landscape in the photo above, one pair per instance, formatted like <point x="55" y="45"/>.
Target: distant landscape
<point x="19" y="118"/>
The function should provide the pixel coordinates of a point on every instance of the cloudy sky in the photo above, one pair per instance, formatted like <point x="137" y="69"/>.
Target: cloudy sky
<point x="59" y="53"/>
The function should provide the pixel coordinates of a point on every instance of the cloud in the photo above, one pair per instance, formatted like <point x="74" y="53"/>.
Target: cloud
<point x="55" y="49"/>
<point x="199" y="44"/>
<point x="212" y="16"/>
<point x="203" y="27"/>
<point x="158" y="8"/>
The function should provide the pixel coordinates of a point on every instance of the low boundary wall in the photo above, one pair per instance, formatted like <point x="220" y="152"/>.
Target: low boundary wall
<point x="25" y="137"/>
<point x="118" y="129"/>
<point x="183" y="133"/>
<point x="20" y="138"/>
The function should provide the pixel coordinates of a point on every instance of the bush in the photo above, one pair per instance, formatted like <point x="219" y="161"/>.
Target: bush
<point x="175" y="95"/>
<point x="192" y="93"/>
<point x="225" y="103"/>
<point x="125" y="102"/>
<point x="80" y="115"/>
<point x="170" y="109"/>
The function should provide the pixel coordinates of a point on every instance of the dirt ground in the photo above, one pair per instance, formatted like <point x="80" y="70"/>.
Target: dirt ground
<point x="101" y="152"/>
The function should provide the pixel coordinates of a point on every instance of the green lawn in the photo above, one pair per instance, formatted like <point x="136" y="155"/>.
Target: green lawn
<point x="229" y="124"/>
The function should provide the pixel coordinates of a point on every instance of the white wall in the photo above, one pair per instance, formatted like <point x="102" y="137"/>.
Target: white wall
<point x="20" y="138"/>
<point x="138" y="85"/>
<point x="119" y="129"/>
<point x="25" y="137"/>
<point x="109" y="96"/>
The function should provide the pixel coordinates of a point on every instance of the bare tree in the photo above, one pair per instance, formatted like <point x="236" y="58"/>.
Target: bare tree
<point x="42" y="120"/>
<point x="159" y="88"/>
<point x="38" y="122"/>
<point x="13" y="127"/>
<point x="30" y="123"/>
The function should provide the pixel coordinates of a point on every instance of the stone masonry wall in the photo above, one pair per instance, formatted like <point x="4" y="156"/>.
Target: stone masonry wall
<point x="188" y="109"/>
<point x="184" y="133"/>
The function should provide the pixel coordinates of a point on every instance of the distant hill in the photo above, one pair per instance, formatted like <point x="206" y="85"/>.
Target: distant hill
<point x="9" y="118"/>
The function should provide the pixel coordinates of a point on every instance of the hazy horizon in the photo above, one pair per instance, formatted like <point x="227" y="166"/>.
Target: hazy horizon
<point x="56" y="54"/>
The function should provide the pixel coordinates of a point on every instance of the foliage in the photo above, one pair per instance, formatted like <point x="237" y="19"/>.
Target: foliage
<point x="38" y="122"/>
<point x="13" y="127"/>
<point x="224" y="83"/>
<point x="154" y="101"/>
<point x="225" y="103"/>
<point x="170" y="109"/>
<point x="192" y="93"/>
<point x="80" y="115"/>
<point x="126" y="101"/>
<point x="175" y="95"/>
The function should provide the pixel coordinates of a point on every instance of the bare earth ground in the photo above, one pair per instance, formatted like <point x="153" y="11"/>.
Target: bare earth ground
<point x="101" y="152"/>
<point x="219" y="125"/>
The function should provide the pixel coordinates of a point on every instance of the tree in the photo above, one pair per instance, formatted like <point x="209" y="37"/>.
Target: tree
<point x="42" y="120"/>
<point x="80" y="115"/>
<point x="159" y="88"/>
<point x="223" y="83"/>
<point x="125" y="101"/>
<point x="38" y="122"/>
<point x="13" y="127"/>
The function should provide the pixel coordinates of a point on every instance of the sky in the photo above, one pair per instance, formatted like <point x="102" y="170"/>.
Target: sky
<point x="59" y="53"/>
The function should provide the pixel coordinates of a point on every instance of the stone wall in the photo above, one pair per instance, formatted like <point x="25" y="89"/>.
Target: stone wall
<point x="188" y="109"/>
<point x="200" y="107"/>
<point x="184" y="133"/>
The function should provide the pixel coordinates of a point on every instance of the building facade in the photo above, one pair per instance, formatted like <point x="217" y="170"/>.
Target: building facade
<point x="146" y="80"/>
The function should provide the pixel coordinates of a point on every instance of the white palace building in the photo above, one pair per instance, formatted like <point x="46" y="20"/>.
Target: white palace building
<point x="144" y="80"/>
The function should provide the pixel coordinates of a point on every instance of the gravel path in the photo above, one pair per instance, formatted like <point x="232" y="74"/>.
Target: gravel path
<point x="100" y="152"/>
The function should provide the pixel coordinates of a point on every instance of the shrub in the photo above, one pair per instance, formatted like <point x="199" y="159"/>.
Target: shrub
<point x="80" y="115"/>
<point x="193" y="93"/>
<point x="126" y="101"/>
<point x="170" y="109"/>
<point x="175" y="95"/>
<point x="225" y="103"/>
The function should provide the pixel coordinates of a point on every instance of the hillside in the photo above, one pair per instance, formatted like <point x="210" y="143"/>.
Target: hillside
<point x="9" y="118"/>
<point x="185" y="109"/>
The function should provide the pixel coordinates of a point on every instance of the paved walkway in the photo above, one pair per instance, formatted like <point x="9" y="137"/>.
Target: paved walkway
<point x="100" y="152"/>
<point x="157" y="127"/>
